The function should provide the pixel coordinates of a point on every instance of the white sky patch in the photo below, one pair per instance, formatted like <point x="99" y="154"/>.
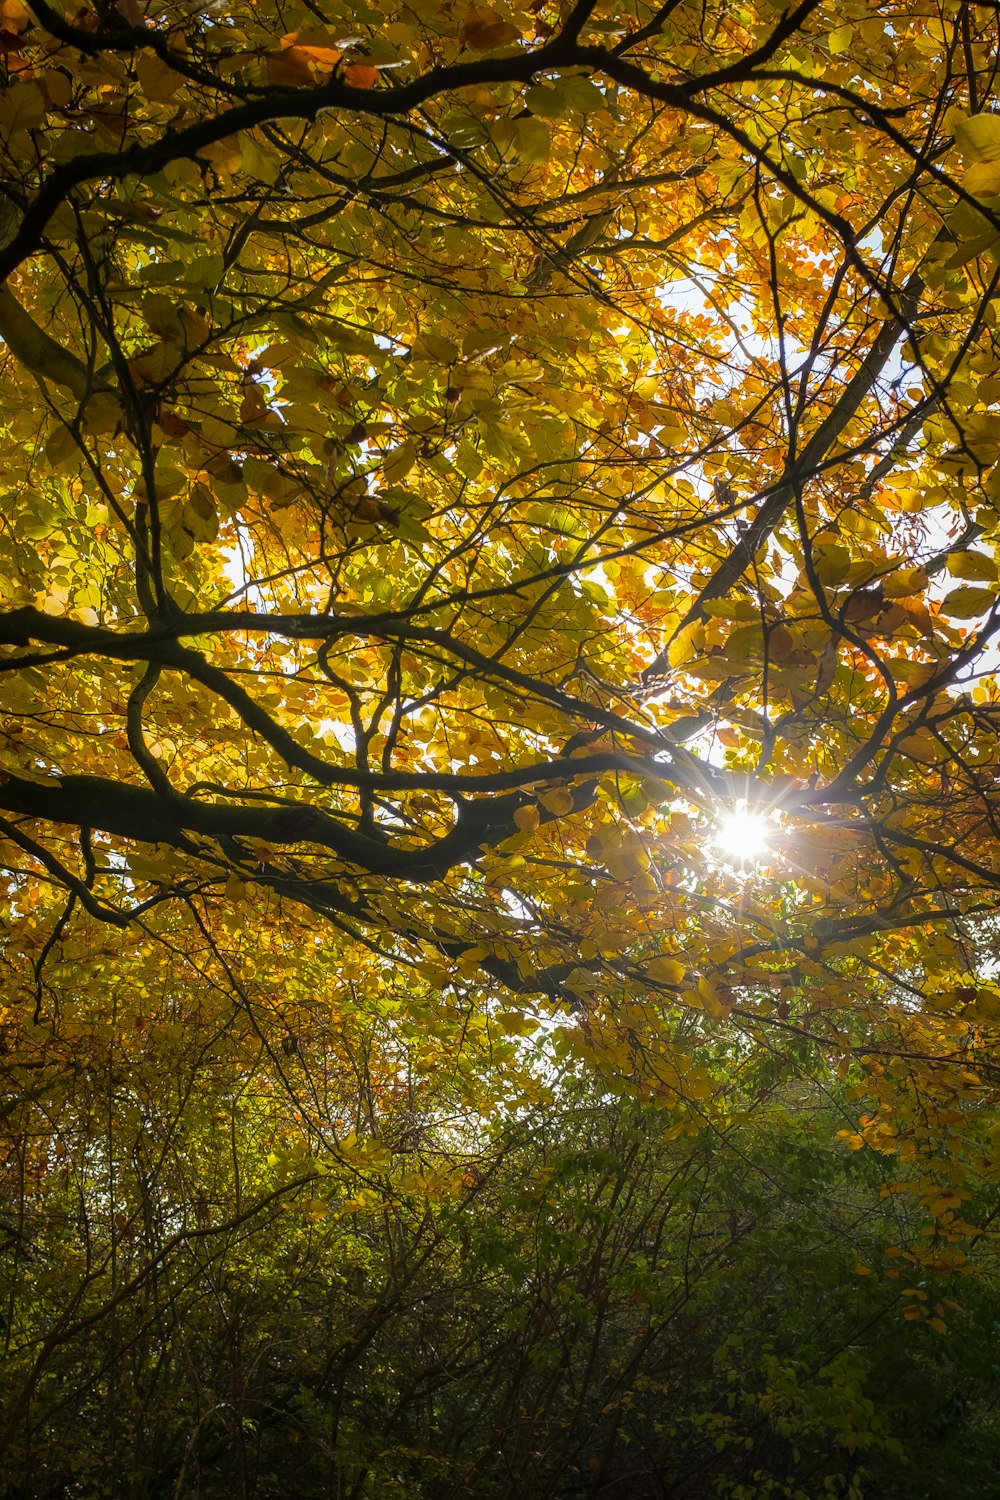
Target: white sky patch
<point x="335" y="729"/>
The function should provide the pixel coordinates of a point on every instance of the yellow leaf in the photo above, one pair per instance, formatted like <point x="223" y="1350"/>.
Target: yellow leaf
<point x="978" y="137"/>
<point x="905" y="582"/>
<point x="155" y="365"/>
<point x="665" y="970"/>
<point x="60" y="446"/>
<point x="839" y="39"/>
<point x="168" y="483"/>
<point x="225" y="155"/>
<point x="973" y="234"/>
<point x="157" y="80"/>
<point x="558" y="802"/>
<point x="258" y="163"/>
<point x="514" y="1023"/>
<point x="544" y="101"/>
<point x="831" y="562"/>
<point x="22" y="107"/>
<point x="920" y="746"/>
<point x="430" y="348"/>
<point x="399" y="462"/>
<point x="714" y="1000"/>
<point x="732" y="608"/>
<point x="983" y="179"/>
<point x="972" y="565"/>
<point x="527" y="818"/>
<point x="533" y="140"/>
<point x="217" y="433"/>
<point x="102" y="414"/>
<point x="57" y="88"/>
<point x="686" y="643"/>
<point x="199" y="516"/>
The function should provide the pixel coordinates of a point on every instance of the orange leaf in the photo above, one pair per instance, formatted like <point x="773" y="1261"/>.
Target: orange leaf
<point x="13" y="15"/>
<point x="298" y="66"/>
<point x="360" y="76"/>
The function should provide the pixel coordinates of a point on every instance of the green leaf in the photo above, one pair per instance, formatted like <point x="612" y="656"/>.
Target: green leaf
<point x="968" y="603"/>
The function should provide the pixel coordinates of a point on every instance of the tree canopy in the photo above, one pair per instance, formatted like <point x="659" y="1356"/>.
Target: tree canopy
<point x="498" y="602"/>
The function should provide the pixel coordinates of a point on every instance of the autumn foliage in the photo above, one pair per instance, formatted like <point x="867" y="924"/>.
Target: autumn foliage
<point x="499" y="749"/>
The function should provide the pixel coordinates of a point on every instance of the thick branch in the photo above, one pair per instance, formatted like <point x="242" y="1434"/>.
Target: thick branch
<point x="273" y="104"/>
<point x="38" y="351"/>
<point x="283" y="104"/>
<point x="161" y="647"/>
<point x="137" y="813"/>
<point x="146" y="816"/>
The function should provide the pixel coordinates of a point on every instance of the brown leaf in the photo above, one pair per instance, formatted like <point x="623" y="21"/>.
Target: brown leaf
<point x="485" y="30"/>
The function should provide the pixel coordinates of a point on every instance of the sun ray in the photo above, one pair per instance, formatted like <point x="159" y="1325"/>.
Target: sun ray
<point x="743" y="834"/>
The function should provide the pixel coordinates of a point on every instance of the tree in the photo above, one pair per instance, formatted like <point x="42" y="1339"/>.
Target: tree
<point x="465" y="467"/>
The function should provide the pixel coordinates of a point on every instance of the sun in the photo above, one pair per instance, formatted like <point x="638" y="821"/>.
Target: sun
<point x="743" y="835"/>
